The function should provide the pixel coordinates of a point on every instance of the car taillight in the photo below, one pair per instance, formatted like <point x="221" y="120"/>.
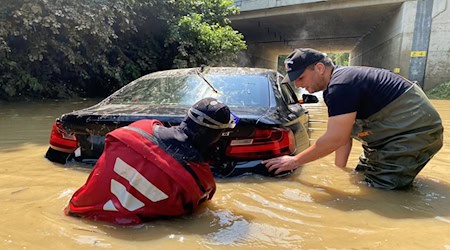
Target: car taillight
<point x="62" y="140"/>
<point x="263" y="144"/>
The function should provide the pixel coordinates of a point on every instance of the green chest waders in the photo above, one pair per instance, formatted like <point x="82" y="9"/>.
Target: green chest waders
<point x="398" y="140"/>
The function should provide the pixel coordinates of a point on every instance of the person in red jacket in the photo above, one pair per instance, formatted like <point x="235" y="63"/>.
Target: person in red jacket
<point x="149" y="171"/>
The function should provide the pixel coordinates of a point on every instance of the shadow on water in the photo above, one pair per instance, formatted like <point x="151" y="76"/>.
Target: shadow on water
<point x="221" y="225"/>
<point x="73" y="165"/>
<point x="213" y="224"/>
<point x="426" y="198"/>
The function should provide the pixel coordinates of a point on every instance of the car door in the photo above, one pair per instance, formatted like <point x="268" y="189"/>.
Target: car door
<point x="298" y="115"/>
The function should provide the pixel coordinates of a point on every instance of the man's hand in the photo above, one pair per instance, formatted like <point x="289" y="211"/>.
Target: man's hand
<point x="280" y="164"/>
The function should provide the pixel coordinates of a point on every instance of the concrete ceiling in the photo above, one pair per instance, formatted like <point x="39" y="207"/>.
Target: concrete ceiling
<point x="332" y="26"/>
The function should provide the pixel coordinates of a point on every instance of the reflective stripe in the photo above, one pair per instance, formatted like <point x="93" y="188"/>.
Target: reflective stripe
<point x="127" y="200"/>
<point x="143" y="133"/>
<point x="138" y="181"/>
<point x="166" y="148"/>
<point x="109" y="206"/>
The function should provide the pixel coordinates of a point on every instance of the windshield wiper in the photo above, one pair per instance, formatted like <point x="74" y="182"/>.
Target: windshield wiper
<point x="199" y="72"/>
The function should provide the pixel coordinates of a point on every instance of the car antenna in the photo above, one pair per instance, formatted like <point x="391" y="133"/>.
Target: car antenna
<point x="199" y="72"/>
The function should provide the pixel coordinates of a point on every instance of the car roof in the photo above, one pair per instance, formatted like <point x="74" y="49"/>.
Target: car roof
<point x="210" y="70"/>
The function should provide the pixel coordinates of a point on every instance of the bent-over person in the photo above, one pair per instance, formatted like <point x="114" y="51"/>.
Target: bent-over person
<point x="398" y="127"/>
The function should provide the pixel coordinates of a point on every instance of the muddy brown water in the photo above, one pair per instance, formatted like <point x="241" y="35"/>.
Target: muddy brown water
<point x="318" y="207"/>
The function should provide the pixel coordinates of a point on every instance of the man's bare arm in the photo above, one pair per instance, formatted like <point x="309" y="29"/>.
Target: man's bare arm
<point x="342" y="154"/>
<point x="338" y="133"/>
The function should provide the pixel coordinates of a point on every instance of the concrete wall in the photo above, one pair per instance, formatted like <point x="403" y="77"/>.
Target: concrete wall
<point x="438" y="66"/>
<point x="259" y="56"/>
<point x="246" y="5"/>
<point x="388" y="45"/>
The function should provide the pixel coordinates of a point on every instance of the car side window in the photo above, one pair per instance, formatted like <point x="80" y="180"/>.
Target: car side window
<point x="288" y="93"/>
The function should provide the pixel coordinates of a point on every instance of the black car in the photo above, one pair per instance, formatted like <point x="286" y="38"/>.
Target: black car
<point x="272" y="122"/>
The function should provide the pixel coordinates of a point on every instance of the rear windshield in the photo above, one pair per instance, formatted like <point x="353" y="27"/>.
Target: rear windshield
<point x="233" y="90"/>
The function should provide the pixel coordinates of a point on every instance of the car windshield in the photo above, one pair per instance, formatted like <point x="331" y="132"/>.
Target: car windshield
<point x="234" y="90"/>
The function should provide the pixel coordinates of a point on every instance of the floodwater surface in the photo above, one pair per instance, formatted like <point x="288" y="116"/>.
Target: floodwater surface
<point x="318" y="207"/>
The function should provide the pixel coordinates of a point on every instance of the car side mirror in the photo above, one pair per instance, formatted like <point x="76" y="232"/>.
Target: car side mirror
<point x="306" y="98"/>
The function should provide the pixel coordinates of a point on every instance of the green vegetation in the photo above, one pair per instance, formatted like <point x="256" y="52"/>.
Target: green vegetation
<point x="341" y="59"/>
<point x="90" y="48"/>
<point x="201" y="34"/>
<point x="442" y="91"/>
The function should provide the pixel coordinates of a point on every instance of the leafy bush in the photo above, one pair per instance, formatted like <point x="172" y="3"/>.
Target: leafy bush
<point x="64" y="48"/>
<point x="442" y="91"/>
<point x="201" y="33"/>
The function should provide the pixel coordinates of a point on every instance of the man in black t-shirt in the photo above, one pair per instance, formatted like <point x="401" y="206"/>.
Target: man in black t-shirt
<point x="399" y="129"/>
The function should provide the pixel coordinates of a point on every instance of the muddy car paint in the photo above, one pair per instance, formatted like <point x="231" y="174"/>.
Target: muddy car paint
<point x="281" y="110"/>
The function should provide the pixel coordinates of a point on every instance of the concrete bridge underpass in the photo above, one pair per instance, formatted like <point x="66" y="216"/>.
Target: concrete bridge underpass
<point x="409" y="37"/>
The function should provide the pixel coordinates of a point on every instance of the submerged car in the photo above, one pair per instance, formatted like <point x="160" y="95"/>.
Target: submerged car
<point x="272" y="122"/>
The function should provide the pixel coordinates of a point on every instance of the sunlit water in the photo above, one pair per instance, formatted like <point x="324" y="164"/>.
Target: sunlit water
<point x="319" y="207"/>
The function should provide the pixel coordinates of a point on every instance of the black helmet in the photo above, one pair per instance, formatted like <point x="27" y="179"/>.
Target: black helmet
<point x="212" y="114"/>
<point x="205" y="122"/>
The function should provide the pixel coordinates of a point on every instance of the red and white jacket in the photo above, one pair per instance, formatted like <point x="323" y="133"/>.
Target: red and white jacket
<point x="136" y="180"/>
